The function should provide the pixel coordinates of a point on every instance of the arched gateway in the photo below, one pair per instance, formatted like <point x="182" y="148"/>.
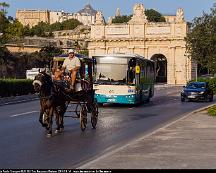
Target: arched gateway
<point x="163" y="42"/>
<point x="161" y="67"/>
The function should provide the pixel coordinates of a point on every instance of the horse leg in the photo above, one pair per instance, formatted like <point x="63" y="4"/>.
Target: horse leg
<point x="64" y="108"/>
<point x="57" y="120"/>
<point x="41" y="118"/>
<point x="61" y="115"/>
<point x="61" y="120"/>
<point x="49" y="128"/>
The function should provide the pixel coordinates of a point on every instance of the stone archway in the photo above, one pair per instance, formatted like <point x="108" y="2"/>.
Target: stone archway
<point x="161" y="67"/>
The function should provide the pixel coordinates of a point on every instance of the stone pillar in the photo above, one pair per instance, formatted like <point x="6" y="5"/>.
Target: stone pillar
<point x="171" y="67"/>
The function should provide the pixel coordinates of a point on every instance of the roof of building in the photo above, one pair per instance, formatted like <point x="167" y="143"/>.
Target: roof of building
<point x="88" y="10"/>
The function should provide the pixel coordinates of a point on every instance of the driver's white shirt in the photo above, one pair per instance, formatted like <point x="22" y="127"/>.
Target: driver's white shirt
<point x="70" y="64"/>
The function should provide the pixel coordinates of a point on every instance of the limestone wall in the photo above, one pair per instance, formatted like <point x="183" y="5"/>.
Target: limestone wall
<point x="147" y="39"/>
<point x="32" y="17"/>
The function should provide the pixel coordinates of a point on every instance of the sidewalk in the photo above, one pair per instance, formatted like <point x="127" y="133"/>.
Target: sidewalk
<point x="18" y="99"/>
<point x="187" y="143"/>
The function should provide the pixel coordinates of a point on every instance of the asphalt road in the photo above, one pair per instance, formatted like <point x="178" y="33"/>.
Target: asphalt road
<point x="23" y="142"/>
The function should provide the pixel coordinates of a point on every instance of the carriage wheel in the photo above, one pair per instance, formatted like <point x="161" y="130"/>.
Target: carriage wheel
<point x="83" y="117"/>
<point x="78" y="109"/>
<point x="94" y="115"/>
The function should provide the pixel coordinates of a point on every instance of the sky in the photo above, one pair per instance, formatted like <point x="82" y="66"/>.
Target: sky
<point x="192" y="8"/>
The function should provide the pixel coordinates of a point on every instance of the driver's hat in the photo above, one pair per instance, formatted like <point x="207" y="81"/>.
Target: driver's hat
<point x="70" y="51"/>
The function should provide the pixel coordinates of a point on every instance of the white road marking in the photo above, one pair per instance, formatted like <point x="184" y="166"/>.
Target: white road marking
<point x="23" y="113"/>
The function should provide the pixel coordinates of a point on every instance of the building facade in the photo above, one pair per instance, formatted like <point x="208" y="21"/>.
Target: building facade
<point x="162" y="42"/>
<point x="33" y="17"/>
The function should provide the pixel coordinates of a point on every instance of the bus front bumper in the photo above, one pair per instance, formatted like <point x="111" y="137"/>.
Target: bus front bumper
<point x="121" y="99"/>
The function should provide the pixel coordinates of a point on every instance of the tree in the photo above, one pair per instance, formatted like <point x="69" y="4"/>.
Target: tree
<point x="6" y="63"/>
<point x="121" y="19"/>
<point x="3" y="22"/>
<point x="40" y="29"/>
<point x="3" y="6"/>
<point x="43" y="29"/>
<point x="14" y="30"/>
<point x="201" y="40"/>
<point x="152" y="16"/>
<point x="47" y="53"/>
<point x="70" y="24"/>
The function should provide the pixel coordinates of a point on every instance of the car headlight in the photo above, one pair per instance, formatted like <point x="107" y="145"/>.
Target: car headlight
<point x="201" y="92"/>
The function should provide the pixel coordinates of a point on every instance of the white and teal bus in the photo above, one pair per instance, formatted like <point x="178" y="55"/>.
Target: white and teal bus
<point x="123" y="78"/>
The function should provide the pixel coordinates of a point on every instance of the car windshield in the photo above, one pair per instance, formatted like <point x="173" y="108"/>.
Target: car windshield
<point x="196" y="85"/>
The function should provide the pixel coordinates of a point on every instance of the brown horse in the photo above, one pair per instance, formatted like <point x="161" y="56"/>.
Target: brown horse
<point x="51" y="102"/>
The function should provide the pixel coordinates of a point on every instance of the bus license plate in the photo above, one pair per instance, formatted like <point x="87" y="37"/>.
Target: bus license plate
<point x="111" y="100"/>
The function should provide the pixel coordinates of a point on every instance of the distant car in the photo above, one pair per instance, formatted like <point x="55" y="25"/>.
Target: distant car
<point x="197" y="91"/>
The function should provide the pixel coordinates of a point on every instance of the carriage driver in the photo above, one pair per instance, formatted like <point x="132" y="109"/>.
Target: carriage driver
<point x="71" y="64"/>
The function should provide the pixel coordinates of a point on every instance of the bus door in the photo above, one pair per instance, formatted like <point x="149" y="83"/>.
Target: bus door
<point x="133" y="77"/>
<point x="138" y="82"/>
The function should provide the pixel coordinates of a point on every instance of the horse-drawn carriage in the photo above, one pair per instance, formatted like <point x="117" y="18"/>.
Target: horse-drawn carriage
<point x="56" y="99"/>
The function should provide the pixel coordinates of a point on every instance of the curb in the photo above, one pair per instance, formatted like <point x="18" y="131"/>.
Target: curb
<point x="17" y="99"/>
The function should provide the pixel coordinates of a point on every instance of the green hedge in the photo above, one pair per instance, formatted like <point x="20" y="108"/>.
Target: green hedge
<point x="212" y="111"/>
<point x="211" y="81"/>
<point x="15" y="87"/>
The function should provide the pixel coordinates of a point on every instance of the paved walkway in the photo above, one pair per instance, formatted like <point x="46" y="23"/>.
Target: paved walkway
<point x="188" y="143"/>
<point x="17" y="99"/>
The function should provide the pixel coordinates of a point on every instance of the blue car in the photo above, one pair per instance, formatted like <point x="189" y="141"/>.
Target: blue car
<point x="197" y="91"/>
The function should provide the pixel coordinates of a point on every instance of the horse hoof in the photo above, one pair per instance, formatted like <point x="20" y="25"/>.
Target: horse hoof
<point x="49" y="134"/>
<point x="57" y="131"/>
<point x="61" y="129"/>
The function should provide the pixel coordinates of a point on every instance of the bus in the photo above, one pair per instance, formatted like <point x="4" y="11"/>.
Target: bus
<point x="123" y="78"/>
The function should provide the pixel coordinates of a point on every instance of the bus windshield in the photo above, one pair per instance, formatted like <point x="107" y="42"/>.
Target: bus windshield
<point x="111" y="70"/>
